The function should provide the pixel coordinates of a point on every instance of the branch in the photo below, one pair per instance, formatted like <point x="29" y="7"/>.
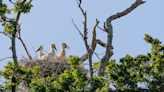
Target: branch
<point x="101" y="43"/>
<point x="101" y="28"/>
<point x="97" y="56"/>
<point x="85" y="25"/>
<point x="93" y="44"/>
<point x="78" y="29"/>
<point x="23" y="43"/>
<point x="109" y="31"/>
<point x="5" y="58"/>
<point x="125" y="12"/>
<point x="6" y="34"/>
<point x="12" y="2"/>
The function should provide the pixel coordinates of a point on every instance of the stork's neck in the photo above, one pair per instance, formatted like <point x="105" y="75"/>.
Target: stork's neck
<point x="41" y="51"/>
<point x="52" y="49"/>
<point x="63" y="49"/>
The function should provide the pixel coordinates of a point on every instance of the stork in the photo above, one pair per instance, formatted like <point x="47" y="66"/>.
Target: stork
<point x="40" y="49"/>
<point x="62" y="54"/>
<point x="51" y="54"/>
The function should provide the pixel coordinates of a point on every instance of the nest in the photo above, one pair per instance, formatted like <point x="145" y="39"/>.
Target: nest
<point x="58" y="65"/>
<point x="47" y="68"/>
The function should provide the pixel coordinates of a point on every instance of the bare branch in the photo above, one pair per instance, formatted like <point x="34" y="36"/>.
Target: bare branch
<point x="101" y="53"/>
<point x="97" y="56"/>
<point x="101" y="28"/>
<point x="109" y="31"/>
<point x="23" y="42"/>
<point x="85" y="24"/>
<point x="5" y="58"/>
<point x="125" y="12"/>
<point x="101" y="43"/>
<point x="78" y="29"/>
<point x="93" y="44"/>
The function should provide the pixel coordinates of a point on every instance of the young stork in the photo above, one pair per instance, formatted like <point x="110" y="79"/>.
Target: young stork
<point x="50" y="55"/>
<point x="62" y="54"/>
<point x="40" y="49"/>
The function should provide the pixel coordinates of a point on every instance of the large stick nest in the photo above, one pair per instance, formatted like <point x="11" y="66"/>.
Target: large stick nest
<point x="49" y="67"/>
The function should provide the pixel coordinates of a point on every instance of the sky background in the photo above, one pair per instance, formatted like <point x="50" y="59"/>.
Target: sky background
<point x="49" y="21"/>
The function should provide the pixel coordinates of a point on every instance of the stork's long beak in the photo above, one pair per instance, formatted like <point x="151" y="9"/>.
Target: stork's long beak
<point x="55" y="48"/>
<point x="67" y="47"/>
<point x="37" y="50"/>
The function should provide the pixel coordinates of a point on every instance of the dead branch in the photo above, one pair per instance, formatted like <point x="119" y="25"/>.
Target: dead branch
<point x="89" y="50"/>
<point x="125" y="12"/>
<point x="77" y="28"/>
<point x="5" y="58"/>
<point x="85" y="24"/>
<point x="101" y="53"/>
<point x="19" y="37"/>
<point x="109" y="31"/>
<point x="93" y="44"/>
<point x="100" y="28"/>
<point x="101" y="43"/>
<point x="97" y="56"/>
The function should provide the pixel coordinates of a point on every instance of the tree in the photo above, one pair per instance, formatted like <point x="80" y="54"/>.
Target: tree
<point x="123" y="76"/>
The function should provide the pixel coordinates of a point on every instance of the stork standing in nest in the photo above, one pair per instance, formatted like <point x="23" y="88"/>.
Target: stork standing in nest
<point x="40" y="53"/>
<point x="50" y="55"/>
<point x="62" y="54"/>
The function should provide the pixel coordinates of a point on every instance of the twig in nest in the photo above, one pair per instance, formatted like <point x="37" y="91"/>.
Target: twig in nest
<point x="5" y="58"/>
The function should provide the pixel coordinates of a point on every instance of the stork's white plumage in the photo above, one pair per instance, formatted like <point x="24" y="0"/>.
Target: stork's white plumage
<point x="40" y="53"/>
<point x="62" y="54"/>
<point x="50" y="55"/>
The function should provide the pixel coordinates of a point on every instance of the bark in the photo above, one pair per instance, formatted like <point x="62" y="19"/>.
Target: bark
<point x="109" y="31"/>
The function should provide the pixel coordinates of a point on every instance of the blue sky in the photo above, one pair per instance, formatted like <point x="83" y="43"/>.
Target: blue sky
<point x="50" y="22"/>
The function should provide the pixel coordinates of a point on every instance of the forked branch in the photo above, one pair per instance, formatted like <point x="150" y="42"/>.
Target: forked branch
<point x="109" y="31"/>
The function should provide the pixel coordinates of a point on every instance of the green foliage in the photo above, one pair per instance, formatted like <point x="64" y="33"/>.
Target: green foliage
<point x="70" y="81"/>
<point x="128" y="73"/>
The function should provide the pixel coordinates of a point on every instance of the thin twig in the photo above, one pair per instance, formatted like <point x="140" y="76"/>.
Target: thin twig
<point x="101" y="28"/>
<point x="34" y="50"/>
<point x="5" y="58"/>
<point x="97" y="56"/>
<point x="6" y="34"/>
<point x="77" y="28"/>
<point x="101" y="53"/>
